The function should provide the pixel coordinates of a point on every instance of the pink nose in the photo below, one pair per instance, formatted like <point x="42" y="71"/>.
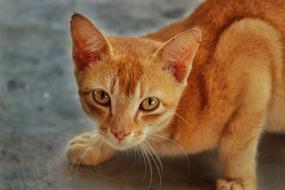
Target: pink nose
<point x="120" y="135"/>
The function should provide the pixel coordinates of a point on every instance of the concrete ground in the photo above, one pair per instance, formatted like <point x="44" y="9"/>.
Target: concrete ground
<point x="40" y="111"/>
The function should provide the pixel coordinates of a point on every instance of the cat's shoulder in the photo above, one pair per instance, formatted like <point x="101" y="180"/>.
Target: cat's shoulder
<point x="251" y="39"/>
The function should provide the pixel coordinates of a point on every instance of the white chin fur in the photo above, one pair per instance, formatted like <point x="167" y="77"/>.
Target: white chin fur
<point x="121" y="146"/>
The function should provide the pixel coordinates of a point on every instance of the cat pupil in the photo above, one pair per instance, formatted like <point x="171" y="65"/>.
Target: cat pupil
<point x="150" y="101"/>
<point x="102" y="95"/>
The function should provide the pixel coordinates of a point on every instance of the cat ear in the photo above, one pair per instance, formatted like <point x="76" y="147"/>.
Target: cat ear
<point x="89" y="44"/>
<point x="177" y="54"/>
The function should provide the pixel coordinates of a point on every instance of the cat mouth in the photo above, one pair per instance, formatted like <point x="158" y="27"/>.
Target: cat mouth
<point x="120" y="145"/>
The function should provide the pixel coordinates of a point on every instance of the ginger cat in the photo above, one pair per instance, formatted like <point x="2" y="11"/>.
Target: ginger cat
<point x="212" y="80"/>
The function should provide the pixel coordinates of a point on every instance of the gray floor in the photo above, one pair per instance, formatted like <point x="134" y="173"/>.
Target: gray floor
<point x="39" y="109"/>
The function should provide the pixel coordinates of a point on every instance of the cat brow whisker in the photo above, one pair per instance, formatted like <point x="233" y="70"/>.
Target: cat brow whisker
<point x="179" y="116"/>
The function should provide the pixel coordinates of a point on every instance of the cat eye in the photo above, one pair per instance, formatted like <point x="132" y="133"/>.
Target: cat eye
<point x="101" y="97"/>
<point x="149" y="104"/>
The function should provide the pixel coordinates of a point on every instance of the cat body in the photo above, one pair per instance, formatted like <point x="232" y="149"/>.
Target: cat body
<point x="224" y="15"/>
<point x="219" y="85"/>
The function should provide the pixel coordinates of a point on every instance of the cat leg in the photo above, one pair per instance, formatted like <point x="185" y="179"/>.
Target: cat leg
<point x="237" y="151"/>
<point x="88" y="149"/>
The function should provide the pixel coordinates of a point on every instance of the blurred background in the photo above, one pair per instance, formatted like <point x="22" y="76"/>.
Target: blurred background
<point x="40" y="111"/>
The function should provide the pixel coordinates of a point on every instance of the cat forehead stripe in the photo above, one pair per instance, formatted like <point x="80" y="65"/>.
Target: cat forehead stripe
<point x="129" y="72"/>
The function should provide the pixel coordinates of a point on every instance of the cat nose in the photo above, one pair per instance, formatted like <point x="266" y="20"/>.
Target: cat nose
<point x="120" y="135"/>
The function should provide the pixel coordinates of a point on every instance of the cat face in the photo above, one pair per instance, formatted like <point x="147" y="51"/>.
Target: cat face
<point x="131" y="87"/>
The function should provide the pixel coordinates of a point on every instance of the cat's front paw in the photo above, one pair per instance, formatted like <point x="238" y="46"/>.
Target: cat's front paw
<point x="238" y="184"/>
<point x="87" y="149"/>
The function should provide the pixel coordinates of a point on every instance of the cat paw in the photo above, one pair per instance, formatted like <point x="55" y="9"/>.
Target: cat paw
<point x="88" y="149"/>
<point x="223" y="184"/>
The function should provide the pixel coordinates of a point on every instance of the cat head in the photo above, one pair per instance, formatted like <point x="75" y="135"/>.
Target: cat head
<point x="130" y="86"/>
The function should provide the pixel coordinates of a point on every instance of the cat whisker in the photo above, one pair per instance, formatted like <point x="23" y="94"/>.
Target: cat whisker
<point x="86" y="150"/>
<point x="149" y="163"/>
<point x="81" y="159"/>
<point x="92" y="133"/>
<point x="90" y="144"/>
<point x="156" y="155"/>
<point x="136" y="155"/>
<point x="155" y="159"/>
<point x="71" y="167"/>
<point x="144" y="161"/>
<point x="73" y="162"/>
<point x="177" y="145"/>
<point x="97" y="149"/>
